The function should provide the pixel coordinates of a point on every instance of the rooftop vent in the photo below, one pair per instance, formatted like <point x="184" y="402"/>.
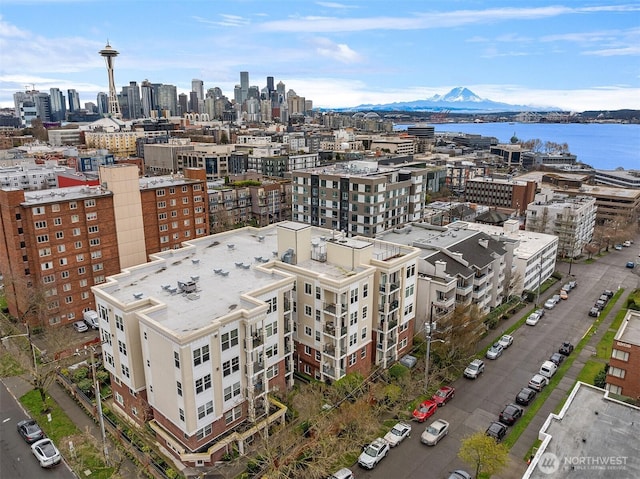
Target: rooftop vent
<point x="246" y="266"/>
<point x="166" y="287"/>
<point x="261" y="238"/>
<point x="231" y="246"/>
<point x="138" y="295"/>
<point x="195" y="278"/>
<point x="173" y="290"/>
<point x="195" y="261"/>
<point x="224" y="273"/>
<point x="217" y="270"/>
<point x="187" y="287"/>
<point x="239" y="264"/>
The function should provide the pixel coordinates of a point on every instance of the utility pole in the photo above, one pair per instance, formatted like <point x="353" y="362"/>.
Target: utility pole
<point x="430" y="328"/>
<point x="96" y="384"/>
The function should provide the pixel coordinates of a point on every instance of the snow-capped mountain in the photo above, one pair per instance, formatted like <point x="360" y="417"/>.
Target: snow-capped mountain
<point x="458" y="100"/>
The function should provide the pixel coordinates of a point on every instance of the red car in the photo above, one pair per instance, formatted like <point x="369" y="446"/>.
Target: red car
<point x="425" y="410"/>
<point x="444" y="395"/>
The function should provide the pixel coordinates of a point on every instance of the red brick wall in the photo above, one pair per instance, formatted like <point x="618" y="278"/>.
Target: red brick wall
<point x="630" y="384"/>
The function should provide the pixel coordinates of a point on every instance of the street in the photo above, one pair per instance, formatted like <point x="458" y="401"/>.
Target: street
<point x="16" y="459"/>
<point x="478" y="402"/>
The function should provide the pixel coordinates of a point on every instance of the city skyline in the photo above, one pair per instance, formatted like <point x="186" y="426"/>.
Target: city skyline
<point x="580" y="56"/>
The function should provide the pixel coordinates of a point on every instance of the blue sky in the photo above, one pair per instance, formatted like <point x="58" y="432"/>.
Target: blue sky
<point x="574" y="54"/>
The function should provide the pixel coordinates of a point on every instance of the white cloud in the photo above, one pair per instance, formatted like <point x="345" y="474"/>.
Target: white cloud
<point x="336" y="51"/>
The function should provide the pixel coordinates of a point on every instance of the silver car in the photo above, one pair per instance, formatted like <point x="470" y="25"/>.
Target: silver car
<point x="374" y="453"/>
<point x="398" y="433"/>
<point x="495" y="351"/>
<point x="434" y="432"/>
<point x="46" y="452"/>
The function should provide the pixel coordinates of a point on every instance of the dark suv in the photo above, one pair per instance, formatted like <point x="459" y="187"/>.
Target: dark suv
<point x="525" y="396"/>
<point x="566" y="349"/>
<point x="496" y="430"/>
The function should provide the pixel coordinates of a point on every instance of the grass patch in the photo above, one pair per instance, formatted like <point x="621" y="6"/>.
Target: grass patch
<point x="61" y="430"/>
<point x="590" y="370"/>
<point x="10" y="366"/>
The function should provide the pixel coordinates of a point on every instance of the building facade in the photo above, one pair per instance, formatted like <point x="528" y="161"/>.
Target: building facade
<point x="508" y="194"/>
<point x="623" y="375"/>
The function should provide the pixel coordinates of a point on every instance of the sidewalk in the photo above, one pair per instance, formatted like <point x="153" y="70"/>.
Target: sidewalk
<point x="18" y="387"/>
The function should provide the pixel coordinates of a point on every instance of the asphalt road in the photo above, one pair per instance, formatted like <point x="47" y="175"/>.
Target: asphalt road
<point x="16" y="459"/>
<point x="478" y="402"/>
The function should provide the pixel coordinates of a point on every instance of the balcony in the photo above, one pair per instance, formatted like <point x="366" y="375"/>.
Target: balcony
<point x="464" y="290"/>
<point x="258" y="366"/>
<point x="253" y="342"/>
<point x="389" y="287"/>
<point x="258" y="387"/>
<point x="445" y="303"/>
<point x="332" y="308"/>
<point x="393" y="305"/>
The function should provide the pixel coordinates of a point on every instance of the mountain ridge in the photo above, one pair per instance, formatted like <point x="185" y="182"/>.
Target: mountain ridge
<point x="459" y="100"/>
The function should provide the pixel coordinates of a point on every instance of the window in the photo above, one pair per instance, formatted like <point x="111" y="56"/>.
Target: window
<point x="352" y="359"/>
<point x="59" y="234"/>
<point x="205" y="409"/>
<point x="272" y="371"/>
<point x="203" y="383"/>
<point x="307" y="331"/>
<point x="96" y="254"/>
<point x="162" y="216"/>
<point x="364" y="333"/>
<point x="621" y="355"/>
<point x="232" y="391"/>
<point x="93" y="229"/>
<point x="403" y="343"/>
<point x="273" y="304"/>
<point x="617" y="372"/>
<point x="47" y="265"/>
<point x="38" y="210"/>
<point x="179" y="388"/>
<point x="119" y="322"/>
<point x="42" y="238"/>
<point x="354" y="295"/>
<point x="307" y="288"/>
<point x="365" y="290"/>
<point x="57" y="221"/>
<point x="162" y="204"/>
<point x="76" y="231"/>
<point x="353" y="339"/>
<point x="408" y="291"/>
<point x="122" y="347"/>
<point x="363" y="353"/>
<point x="73" y="205"/>
<point x="181" y="414"/>
<point x="64" y="274"/>
<point x="89" y="203"/>
<point x="307" y="350"/>
<point x="614" y="389"/>
<point x="160" y="192"/>
<point x="40" y="224"/>
<point x="44" y="252"/>
<point x="353" y="318"/>
<point x="92" y="216"/>
<point x="63" y="261"/>
<point x="48" y="279"/>
<point x="365" y="310"/>
<point x="204" y="432"/>
<point x="233" y="415"/>
<point x="94" y="242"/>
<point x="79" y="258"/>
<point x="232" y="366"/>
<point x="318" y="293"/>
<point x="271" y="328"/>
<point x="125" y="371"/>
<point x="201" y="355"/>
<point x="411" y="270"/>
<point x="176" y="359"/>
<point x="229" y="339"/>
<point x="55" y="208"/>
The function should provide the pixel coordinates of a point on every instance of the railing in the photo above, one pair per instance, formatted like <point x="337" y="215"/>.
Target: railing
<point x="331" y="308"/>
<point x="258" y="366"/>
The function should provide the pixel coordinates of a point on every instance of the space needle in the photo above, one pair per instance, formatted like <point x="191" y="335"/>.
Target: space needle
<point x="109" y="55"/>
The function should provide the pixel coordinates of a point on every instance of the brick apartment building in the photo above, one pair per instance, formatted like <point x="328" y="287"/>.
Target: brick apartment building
<point x="623" y="376"/>
<point x="58" y="243"/>
<point x="507" y="194"/>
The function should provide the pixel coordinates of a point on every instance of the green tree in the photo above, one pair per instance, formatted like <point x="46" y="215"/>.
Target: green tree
<point x="484" y="454"/>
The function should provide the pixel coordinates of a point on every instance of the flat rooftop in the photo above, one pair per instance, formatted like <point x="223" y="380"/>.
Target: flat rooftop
<point x="592" y="437"/>
<point x="69" y="193"/>
<point x="219" y="272"/>
<point x="629" y="331"/>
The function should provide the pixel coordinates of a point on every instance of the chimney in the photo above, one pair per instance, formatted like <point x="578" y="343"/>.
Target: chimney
<point x="484" y="242"/>
<point x="441" y="267"/>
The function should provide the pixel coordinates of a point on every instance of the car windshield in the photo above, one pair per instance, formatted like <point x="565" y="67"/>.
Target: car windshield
<point x="396" y="431"/>
<point x="371" y="451"/>
<point x="30" y="428"/>
<point x="432" y="430"/>
<point x="441" y="393"/>
<point x="423" y="408"/>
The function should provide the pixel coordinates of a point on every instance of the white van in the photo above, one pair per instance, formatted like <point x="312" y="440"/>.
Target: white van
<point x="91" y="318"/>
<point x="548" y="369"/>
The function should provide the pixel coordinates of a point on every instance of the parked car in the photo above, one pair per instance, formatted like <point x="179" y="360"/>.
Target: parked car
<point x="566" y="348"/>
<point x="80" y="326"/>
<point x="550" y="303"/>
<point x="548" y="369"/>
<point x="564" y="294"/>
<point x="474" y="369"/>
<point x="525" y="396"/>
<point x="30" y="431"/>
<point x="631" y="264"/>
<point x="608" y="293"/>
<point x="600" y="305"/>
<point x="541" y="312"/>
<point x="556" y="298"/>
<point x="627" y="243"/>
<point x="425" y="410"/>
<point x="398" y="433"/>
<point x="533" y="319"/>
<point x="46" y="452"/>
<point x="556" y="358"/>
<point x="618" y="247"/>
<point x="434" y="432"/>
<point x="604" y="297"/>
<point x="496" y="430"/>
<point x="459" y="474"/>
<point x="510" y="414"/>
<point x="343" y="473"/>
<point x="495" y="351"/>
<point x="566" y="287"/>
<point x="444" y="395"/>
<point x="573" y="283"/>
<point x="91" y="318"/>
<point x="373" y="453"/>
<point x="506" y="340"/>
<point x="594" y="312"/>
<point x="538" y="382"/>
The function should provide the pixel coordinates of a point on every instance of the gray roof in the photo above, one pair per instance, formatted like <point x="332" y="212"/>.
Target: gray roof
<point x="474" y="253"/>
<point x="453" y="268"/>
<point x="593" y="436"/>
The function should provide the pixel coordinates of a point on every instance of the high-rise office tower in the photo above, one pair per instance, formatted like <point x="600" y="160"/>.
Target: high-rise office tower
<point x="198" y="87"/>
<point x="254" y="92"/>
<point x="193" y="102"/>
<point x="244" y="85"/>
<point x="109" y="55"/>
<point x="102" y="99"/>
<point x="168" y="99"/>
<point x="270" y="86"/>
<point x="74" y="100"/>
<point x="147" y="97"/>
<point x="183" y="104"/>
<point x="58" y="104"/>
<point x="237" y="94"/>
<point x="281" y="98"/>
<point x="43" y="105"/>
<point x="134" y="105"/>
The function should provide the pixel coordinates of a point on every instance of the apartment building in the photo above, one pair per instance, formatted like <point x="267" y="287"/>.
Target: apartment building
<point x="196" y="338"/>
<point x="218" y="161"/>
<point x="120" y="143"/>
<point x="162" y="158"/>
<point x="623" y="375"/>
<point x="59" y="242"/>
<point x="31" y="177"/>
<point x="460" y="172"/>
<point x="394" y="145"/>
<point x="509" y="194"/>
<point x="359" y="197"/>
<point x="571" y="219"/>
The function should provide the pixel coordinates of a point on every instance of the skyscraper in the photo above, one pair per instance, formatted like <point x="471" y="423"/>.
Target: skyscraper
<point x="198" y="87"/>
<point x="148" y="100"/>
<point x="244" y="85"/>
<point x="74" y="100"/>
<point x="193" y="102"/>
<point x="168" y="99"/>
<point x="58" y="104"/>
<point x="102" y="99"/>
<point x="183" y="104"/>
<point x="109" y="54"/>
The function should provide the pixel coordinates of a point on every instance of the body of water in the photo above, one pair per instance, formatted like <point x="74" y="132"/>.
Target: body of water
<point x="604" y="146"/>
